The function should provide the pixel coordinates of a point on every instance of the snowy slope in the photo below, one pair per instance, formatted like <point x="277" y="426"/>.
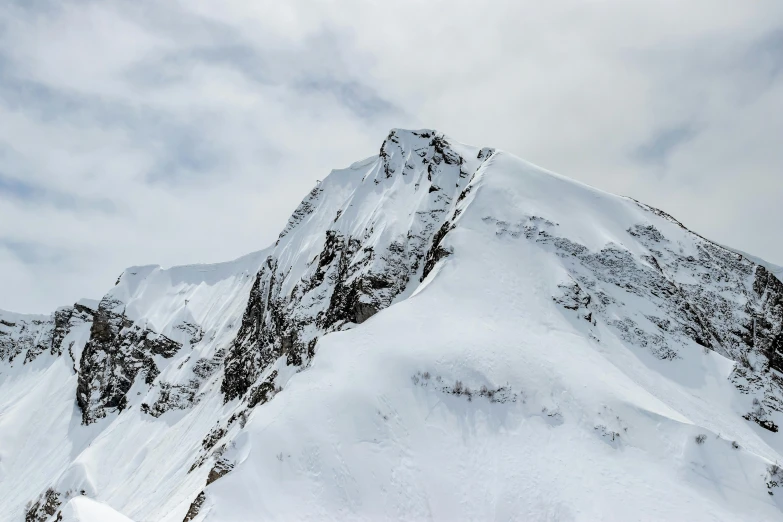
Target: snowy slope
<point x="441" y="332"/>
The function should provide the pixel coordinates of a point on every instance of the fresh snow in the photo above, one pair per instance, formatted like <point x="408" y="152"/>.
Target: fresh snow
<point x="473" y="394"/>
<point x="83" y="509"/>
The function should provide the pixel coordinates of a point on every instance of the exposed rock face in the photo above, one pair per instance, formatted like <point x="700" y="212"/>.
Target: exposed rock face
<point x="117" y="351"/>
<point x="195" y="507"/>
<point x="765" y="324"/>
<point x="436" y="251"/>
<point x="45" y="506"/>
<point x="305" y="208"/>
<point x="712" y="297"/>
<point x="173" y="397"/>
<point x="32" y="336"/>
<point x="243" y="366"/>
<point x="353" y="276"/>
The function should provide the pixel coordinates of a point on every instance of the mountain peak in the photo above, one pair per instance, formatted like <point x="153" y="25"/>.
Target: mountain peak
<point x="423" y="306"/>
<point x="403" y="150"/>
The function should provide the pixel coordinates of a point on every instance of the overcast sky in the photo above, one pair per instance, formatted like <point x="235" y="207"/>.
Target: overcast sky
<point x="171" y="132"/>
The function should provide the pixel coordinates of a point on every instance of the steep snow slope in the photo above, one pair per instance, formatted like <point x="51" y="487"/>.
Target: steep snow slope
<point x="440" y="332"/>
<point x="84" y="509"/>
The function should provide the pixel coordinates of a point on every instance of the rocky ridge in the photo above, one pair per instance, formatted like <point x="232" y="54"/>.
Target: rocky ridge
<point x="340" y="260"/>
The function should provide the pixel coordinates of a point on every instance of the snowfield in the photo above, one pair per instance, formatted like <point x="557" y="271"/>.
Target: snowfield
<point x="441" y="332"/>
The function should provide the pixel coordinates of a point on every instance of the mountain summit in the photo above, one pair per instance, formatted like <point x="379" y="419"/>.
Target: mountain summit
<point x="440" y="332"/>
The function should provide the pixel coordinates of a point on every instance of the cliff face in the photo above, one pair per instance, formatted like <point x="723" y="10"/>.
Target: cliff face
<point x="372" y="248"/>
<point x="149" y="393"/>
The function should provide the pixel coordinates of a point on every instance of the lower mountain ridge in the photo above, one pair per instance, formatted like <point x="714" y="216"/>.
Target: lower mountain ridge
<point x="440" y="332"/>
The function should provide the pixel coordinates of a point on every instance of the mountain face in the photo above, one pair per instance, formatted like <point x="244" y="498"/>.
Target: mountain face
<point x="440" y="332"/>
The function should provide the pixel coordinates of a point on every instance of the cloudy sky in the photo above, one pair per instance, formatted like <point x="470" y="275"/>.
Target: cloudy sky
<point x="137" y="132"/>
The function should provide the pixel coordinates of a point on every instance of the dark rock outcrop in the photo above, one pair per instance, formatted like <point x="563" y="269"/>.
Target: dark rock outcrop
<point x="195" y="507"/>
<point x="766" y="318"/>
<point x="44" y="506"/>
<point x="117" y="351"/>
<point x="29" y="336"/>
<point x="351" y="279"/>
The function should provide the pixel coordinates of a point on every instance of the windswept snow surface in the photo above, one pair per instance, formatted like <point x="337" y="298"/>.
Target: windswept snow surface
<point x="440" y="333"/>
<point x="83" y="509"/>
<point x="383" y="442"/>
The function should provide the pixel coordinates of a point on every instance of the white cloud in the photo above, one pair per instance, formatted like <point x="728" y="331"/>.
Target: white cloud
<point x="177" y="132"/>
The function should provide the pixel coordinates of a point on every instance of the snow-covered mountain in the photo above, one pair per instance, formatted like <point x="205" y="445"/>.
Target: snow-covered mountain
<point x="440" y="332"/>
